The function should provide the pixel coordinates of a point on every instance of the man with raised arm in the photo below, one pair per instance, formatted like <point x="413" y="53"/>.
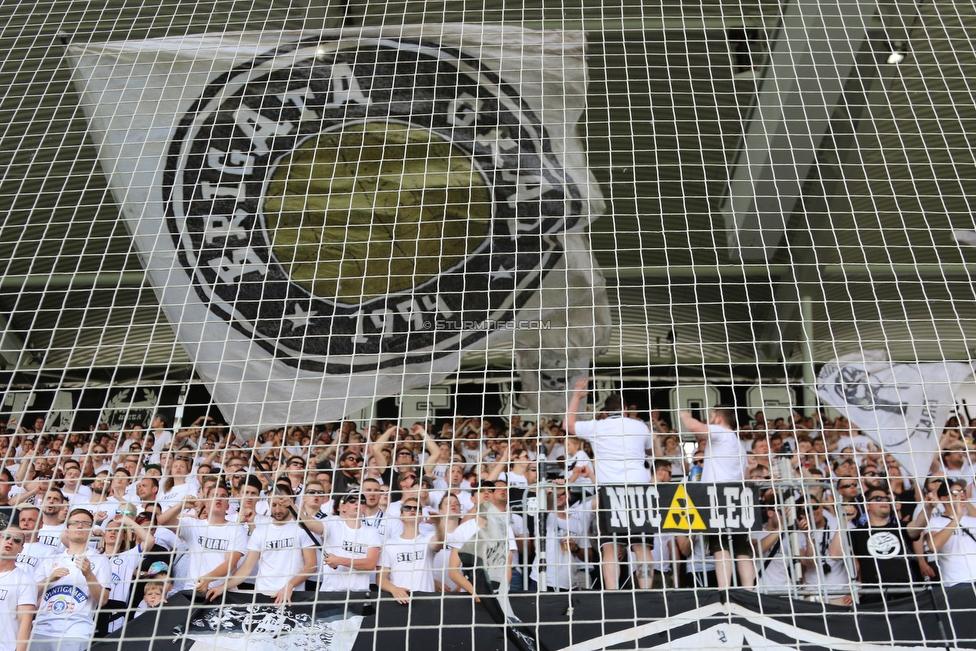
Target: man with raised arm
<point x="281" y="550"/>
<point x="214" y="545"/>
<point x="723" y="462"/>
<point x="621" y="447"/>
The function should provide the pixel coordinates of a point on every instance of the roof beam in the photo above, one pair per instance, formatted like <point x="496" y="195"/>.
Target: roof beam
<point x="830" y="273"/>
<point x="810" y="62"/>
<point x="14" y="354"/>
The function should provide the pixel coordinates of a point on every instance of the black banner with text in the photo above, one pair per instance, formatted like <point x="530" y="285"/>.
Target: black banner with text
<point x="678" y="508"/>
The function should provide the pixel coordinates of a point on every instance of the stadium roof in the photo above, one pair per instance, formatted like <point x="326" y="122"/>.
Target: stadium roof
<point x="870" y="239"/>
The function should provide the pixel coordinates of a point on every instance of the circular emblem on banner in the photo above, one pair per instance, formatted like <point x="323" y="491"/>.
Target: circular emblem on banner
<point x="59" y="606"/>
<point x="354" y="205"/>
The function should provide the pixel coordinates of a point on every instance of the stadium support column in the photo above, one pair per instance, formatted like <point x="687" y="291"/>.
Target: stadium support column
<point x="13" y="350"/>
<point x="790" y="175"/>
<point x="806" y="346"/>
<point x="810" y="61"/>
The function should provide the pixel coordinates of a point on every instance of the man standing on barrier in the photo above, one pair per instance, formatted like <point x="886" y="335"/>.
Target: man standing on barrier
<point x="723" y="462"/>
<point x="621" y="446"/>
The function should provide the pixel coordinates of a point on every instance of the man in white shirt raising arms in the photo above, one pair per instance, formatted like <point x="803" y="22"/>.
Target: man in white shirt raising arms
<point x="621" y="447"/>
<point x="723" y="462"/>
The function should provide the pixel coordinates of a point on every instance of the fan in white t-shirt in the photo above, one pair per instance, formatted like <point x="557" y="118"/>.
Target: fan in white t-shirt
<point x="576" y="462"/>
<point x="953" y="537"/>
<point x="18" y="598"/>
<point x="621" y="447"/>
<point x="76" y="583"/>
<point x="723" y="462"/>
<point x="53" y="511"/>
<point x="215" y="546"/>
<point x="351" y="550"/>
<point x="282" y="552"/>
<point x="407" y="563"/>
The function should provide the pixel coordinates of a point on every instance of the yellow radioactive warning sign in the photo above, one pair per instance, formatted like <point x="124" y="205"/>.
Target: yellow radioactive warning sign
<point x="682" y="513"/>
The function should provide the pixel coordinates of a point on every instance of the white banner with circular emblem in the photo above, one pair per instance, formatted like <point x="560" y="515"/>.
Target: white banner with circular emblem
<point x="329" y="218"/>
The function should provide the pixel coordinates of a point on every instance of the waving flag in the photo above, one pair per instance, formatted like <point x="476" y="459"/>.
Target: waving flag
<point x="328" y="218"/>
<point x="902" y="407"/>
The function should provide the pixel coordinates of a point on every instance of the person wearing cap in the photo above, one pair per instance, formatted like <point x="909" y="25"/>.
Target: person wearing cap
<point x="76" y="583"/>
<point x="281" y="550"/>
<point x="215" y="546"/>
<point x="350" y="550"/>
<point x="18" y="596"/>
<point x="408" y="558"/>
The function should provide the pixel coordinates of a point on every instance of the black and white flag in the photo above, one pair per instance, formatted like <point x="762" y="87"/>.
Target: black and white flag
<point x="902" y="407"/>
<point x="332" y="217"/>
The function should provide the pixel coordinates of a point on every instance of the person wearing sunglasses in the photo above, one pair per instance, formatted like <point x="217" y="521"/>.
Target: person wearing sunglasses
<point x="20" y="597"/>
<point x="349" y="472"/>
<point x="76" y="583"/>
<point x="294" y="471"/>
<point x="351" y="550"/>
<point x="882" y="549"/>
<point x="953" y="536"/>
<point x="316" y="502"/>
<point x="849" y="493"/>
<point x="124" y="543"/>
<point x="407" y="564"/>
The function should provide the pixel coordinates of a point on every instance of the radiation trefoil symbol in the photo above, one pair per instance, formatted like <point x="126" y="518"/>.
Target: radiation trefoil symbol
<point x="682" y="514"/>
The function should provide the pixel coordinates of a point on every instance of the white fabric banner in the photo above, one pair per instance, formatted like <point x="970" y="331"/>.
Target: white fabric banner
<point x="902" y="407"/>
<point x="328" y="218"/>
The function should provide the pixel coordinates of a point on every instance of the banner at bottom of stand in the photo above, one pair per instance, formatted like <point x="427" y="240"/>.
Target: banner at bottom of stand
<point x="267" y="627"/>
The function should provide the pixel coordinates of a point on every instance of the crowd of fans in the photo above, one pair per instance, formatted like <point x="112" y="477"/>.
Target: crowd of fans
<point x="100" y="526"/>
